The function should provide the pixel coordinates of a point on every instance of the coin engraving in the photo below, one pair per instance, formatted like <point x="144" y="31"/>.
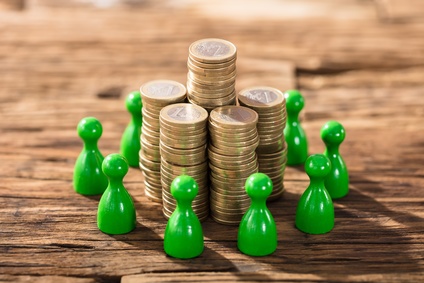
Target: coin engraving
<point x="212" y="49"/>
<point x="235" y="115"/>
<point x="163" y="89"/>
<point x="261" y="95"/>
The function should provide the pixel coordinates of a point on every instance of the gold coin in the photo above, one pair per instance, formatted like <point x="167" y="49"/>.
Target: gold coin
<point x="183" y="136"/>
<point x="233" y="174"/>
<point x="234" y="117"/>
<point x="217" y="128"/>
<point x="212" y="50"/>
<point x="149" y="132"/>
<point x="152" y="128"/>
<point x="182" y="159"/>
<point x="153" y="197"/>
<point x="162" y="92"/>
<point x="211" y="98"/>
<point x="212" y="77"/>
<point x="235" y="191"/>
<point x="232" y="162"/>
<point x="175" y="131"/>
<point x="236" y="136"/>
<point x="214" y="72"/>
<point x="213" y="81"/>
<point x="229" y="99"/>
<point x="187" y="170"/>
<point x="196" y="82"/>
<point x="198" y="176"/>
<point x="261" y="97"/>
<point x="184" y="114"/>
<point x="230" y="158"/>
<point x="222" y="143"/>
<point x="191" y="151"/>
<point x="209" y="66"/>
<point x="228" y="217"/>
<point x="150" y="121"/>
<point x="183" y="144"/>
<point x="214" y="90"/>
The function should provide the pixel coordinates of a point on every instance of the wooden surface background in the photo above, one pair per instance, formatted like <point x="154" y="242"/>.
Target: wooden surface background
<point x="360" y="62"/>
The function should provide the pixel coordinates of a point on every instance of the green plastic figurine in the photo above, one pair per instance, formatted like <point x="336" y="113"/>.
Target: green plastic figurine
<point x="88" y="176"/>
<point x="130" y="142"/>
<point x="257" y="234"/>
<point x="297" y="143"/>
<point x="116" y="212"/>
<point x="183" y="234"/>
<point x="337" y="181"/>
<point x="315" y="210"/>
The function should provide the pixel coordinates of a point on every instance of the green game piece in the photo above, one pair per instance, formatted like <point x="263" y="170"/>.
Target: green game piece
<point x="337" y="181"/>
<point x="257" y="234"/>
<point x="116" y="212"/>
<point x="297" y="143"/>
<point x="183" y="234"/>
<point x="130" y="142"/>
<point x="88" y="176"/>
<point x="315" y="210"/>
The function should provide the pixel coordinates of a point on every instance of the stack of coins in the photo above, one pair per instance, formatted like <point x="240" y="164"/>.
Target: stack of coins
<point x="232" y="158"/>
<point x="211" y="73"/>
<point x="155" y="95"/>
<point x="270" y="105"/>
<point x="183" y="141"/>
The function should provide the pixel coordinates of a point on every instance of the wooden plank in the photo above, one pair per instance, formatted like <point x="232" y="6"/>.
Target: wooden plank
<point x="262" y="277"/>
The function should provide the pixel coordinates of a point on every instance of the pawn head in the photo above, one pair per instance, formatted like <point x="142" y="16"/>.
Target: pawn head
<point x="133" y="103"/>
<point x="115" y="166"/>
<point x="184" y="187"/>
<point x="294" y="101"/>
<point x="317" y="165"/>
<point x="258" y="186"/>
<point x="89" y="128"/>
<point x="333" y="133"/>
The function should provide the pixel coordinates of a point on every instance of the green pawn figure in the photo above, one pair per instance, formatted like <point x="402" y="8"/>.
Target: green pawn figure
<point x="88" y="176"/>
<point x="130" y="142"/>
<point x="315" y="210"/>
<point x="183" y="234"/>
<point x="257" y="234"/>
<point x="337" y="182"/>
<point x="297" y="144"/>
<point x="116" y="212"/>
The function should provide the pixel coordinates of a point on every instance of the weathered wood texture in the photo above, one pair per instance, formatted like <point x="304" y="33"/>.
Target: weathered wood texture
<point x="58" y="65"/>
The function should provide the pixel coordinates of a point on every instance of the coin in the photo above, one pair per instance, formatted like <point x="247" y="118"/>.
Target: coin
<point x="261" y="97"/>
<point x="162" y="92"/>
<point x="212" y="50"/>
<point x="184" y="114"/>
<point x="211" y="66"/>
<point x="234" y="117"/>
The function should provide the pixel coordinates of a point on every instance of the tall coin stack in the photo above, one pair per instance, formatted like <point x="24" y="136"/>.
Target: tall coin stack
<point x="211" y="73"/>
<point x="270" y="105"/>
<point x="232" y="158"/>
<point x="183" y="141"/>
<point x="155" y="95"/>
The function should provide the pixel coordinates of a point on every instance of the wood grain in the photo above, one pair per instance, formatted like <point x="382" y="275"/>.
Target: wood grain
<point x="60" y="63"/>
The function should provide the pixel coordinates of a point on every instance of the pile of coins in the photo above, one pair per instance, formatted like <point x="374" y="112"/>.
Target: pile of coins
<point x="155" y="95"/>
<point x="183" y="142"/>
<point x="211" y="73"/>
<point x="270" y="105"/>
<point x="232" y="158"/>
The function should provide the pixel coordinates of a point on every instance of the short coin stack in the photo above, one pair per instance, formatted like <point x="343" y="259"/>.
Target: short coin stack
<point x="155" y="95"/>
<point x="232" y="158"/>
<point x="183" y="141"/>
<point x="269" y="103"/>
<point x="211" y="73"/>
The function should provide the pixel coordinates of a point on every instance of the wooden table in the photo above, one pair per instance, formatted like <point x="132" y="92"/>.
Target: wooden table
<point x="358" y="62"/>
